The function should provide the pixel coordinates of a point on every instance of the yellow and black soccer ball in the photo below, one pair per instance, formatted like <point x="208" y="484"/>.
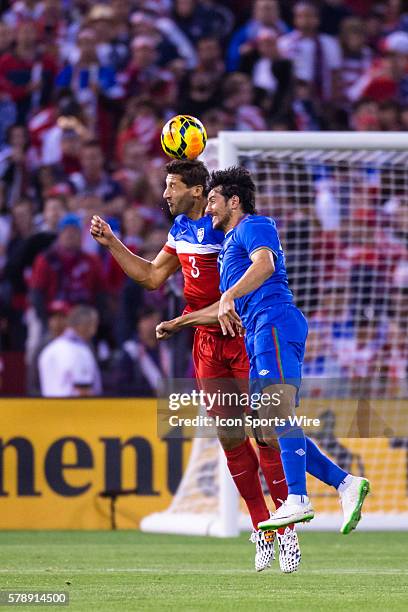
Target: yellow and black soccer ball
<point x="183" y="137"/>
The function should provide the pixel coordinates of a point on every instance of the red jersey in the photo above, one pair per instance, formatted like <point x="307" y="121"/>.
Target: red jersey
<point x="197" y="246"/>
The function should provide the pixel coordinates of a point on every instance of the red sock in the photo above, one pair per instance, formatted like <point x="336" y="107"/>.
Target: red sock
<point x="272" y="468"/>
<point x="243" y="465"/>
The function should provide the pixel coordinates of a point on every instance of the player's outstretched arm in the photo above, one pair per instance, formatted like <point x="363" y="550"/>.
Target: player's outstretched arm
<point x="149" y="274"/>
<point x="205" y="316"/>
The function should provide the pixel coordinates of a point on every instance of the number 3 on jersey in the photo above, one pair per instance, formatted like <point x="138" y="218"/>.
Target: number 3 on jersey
<point x="195" y="272"/>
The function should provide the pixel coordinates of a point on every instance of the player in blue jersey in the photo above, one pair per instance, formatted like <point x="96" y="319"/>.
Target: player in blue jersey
<point x="218" y="360"/>
<point x="256" y="295"/>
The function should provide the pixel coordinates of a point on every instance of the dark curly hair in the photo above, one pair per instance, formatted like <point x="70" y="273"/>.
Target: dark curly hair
<point x="192" y="172"/>
<point x="235" y="181"/>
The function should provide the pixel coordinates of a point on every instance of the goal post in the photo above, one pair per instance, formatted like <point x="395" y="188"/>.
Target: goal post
<point x="340" y="201"/>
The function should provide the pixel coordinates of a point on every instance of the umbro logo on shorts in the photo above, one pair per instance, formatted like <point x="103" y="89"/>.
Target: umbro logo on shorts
<point x="264" y="372"/>
<point x="300" y="452"/>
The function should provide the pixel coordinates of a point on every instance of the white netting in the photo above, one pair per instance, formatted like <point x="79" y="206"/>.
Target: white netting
<point x="343" y="222"/>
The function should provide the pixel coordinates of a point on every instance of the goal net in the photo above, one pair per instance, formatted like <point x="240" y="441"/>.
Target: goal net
<point x="340" y="201"/>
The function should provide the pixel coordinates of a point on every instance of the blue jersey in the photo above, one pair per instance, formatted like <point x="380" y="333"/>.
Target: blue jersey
<point x="254" y="232"/>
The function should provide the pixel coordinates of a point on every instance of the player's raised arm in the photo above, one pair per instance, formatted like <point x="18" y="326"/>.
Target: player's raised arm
<point x="149" y="274"/>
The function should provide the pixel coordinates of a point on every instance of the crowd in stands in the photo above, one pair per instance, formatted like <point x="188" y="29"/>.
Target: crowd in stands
<point x="85" y="88"/>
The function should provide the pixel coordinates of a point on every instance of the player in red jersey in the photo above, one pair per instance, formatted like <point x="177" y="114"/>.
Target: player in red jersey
<point x="193" y="244"/>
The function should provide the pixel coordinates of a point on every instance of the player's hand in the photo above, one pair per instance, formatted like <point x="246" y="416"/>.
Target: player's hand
<point x="165" y="330"/>
<point x="228" y="317"/>
<point x="101" y="231"/>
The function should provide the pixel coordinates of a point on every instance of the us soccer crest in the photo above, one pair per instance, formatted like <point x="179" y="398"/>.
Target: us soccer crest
<point x="200" y="234"/>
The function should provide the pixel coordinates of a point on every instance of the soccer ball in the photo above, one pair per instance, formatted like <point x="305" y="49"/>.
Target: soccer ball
<point x="183" y="137"/>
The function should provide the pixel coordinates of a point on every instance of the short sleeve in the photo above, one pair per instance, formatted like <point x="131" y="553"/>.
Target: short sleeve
<point x="258" y="234"/>
<point x="170" y="246"/>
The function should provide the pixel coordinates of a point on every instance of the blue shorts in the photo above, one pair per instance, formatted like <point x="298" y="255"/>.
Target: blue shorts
<point x="275" y="344"/>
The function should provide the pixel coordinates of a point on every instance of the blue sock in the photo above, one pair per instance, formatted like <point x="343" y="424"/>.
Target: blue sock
<point x="321" y="467"/>
<point x="293" y="454"/>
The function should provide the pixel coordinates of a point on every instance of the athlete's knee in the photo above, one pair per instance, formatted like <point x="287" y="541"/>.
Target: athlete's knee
<point x="229" y="443"/>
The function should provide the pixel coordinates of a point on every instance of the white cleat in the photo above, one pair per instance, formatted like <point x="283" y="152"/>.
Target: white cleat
<point x="265" y="552"/>
<point x="289" y="551"/>
<point x="352" y="500"/>
<point x="288" y="513"/>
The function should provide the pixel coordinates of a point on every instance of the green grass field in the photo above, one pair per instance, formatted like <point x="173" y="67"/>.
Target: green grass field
<point x="133" y="571"/>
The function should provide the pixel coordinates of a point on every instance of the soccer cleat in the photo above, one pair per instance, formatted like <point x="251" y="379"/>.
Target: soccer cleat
<point x="265" y="552"/>
<point x="289" y="551"/>
<point x="352" y="500"/>
<point x="288" y="513"/>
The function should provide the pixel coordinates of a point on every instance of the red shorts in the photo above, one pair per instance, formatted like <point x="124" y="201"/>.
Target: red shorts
<point x="221" y="365"/>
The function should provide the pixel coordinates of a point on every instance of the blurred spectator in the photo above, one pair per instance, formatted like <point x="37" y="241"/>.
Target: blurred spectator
<point x="143" y="75"/>
<point x="209" y="57"/>
<point x="197" y="20"/>
<point x="60" y="137"/>
<point x="24" y="10"/>
<point x="17" y="159"/>
<point x="305" y="108"/>
<point x="316" y="57"/>
<point x="110" y="25"/>
<point x="25" y="74"/>
<point x="365" y="116"/>
<point x="22" y="228"/>
<point x="265" y="15"/>
<point x="67" y="365"/>
<point x="356" y="58"/>
<point x="133" y="167"/>
<point x="171" y="43"/>
<point x="215" y="120"/>
<point x="143" y="362"/>
<point x="271" y="75"/>
<point x="55" y="207"/>
<point x="239" y="103"/>
<point x="389" y="116"/>
<point x="386" y="77"/>
<point x="90" y="78"/>
<point x="56" y="325"/>
<point x="200" y="93"/>
<point x="134" y="227"/>
<point x="65" y="272"/>
<point x="93" y="179"/>
<point x="141" y="123"/>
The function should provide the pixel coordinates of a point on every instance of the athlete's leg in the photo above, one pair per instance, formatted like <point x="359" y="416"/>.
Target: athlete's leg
<point x="290" y="437"/>
<point x="242" y="461"/>
<point x="269" y="458"/>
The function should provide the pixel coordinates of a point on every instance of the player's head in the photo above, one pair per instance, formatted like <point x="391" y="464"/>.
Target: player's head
<point x="84" y="320"/>
<point x="186" y="186"/>
<point x="231" y="195"/>
<point x="306" y="17"/>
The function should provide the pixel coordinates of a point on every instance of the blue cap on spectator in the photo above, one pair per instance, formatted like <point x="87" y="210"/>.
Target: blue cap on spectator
<point x="70" y="220"/>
